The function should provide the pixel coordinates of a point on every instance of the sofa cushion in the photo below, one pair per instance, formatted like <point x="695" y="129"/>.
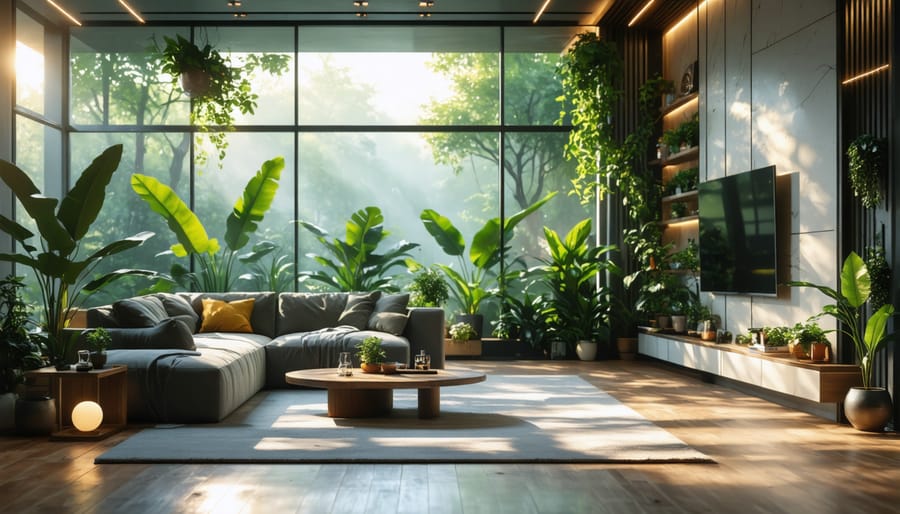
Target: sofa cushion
<point x="140" y="312"/>
<point x="306" y="312"/>
<point x="167" y="334"/>
<point x="221" y="316"/>
<point x="390" y="314"/>
<point x="264" y="306"/>
<point x="179" y="308"/>
<point x="358" y="309"/>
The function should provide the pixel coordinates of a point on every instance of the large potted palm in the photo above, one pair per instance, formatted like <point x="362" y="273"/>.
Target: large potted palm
<point x="64" y="276"/>
<point x="868" y="407"/>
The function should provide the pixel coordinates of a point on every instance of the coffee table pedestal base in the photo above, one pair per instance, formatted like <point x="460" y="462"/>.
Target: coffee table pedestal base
<point x="359" y="403"/>
<point x="372" y="403"/>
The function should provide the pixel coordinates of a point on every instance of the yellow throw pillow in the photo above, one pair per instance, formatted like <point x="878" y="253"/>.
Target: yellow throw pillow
<point x="219" y="316"/>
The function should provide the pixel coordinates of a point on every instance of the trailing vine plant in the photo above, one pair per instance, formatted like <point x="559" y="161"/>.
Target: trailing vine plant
<point x="867" y="161"/>
<point x="225" y="90"/>
<point x="880" y="275"/>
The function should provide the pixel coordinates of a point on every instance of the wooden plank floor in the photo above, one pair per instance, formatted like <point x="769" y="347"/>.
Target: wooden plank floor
<point x="769" y="459"/>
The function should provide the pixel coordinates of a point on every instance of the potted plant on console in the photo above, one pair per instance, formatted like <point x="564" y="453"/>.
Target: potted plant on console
<point x="464" y="340"/>
<point x="98" y="340"/>
<point x="371" y="354"/>
<point x="868" y="407"/>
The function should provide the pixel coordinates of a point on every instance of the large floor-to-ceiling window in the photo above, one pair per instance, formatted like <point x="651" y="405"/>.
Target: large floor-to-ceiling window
<point x="461" y="120"/>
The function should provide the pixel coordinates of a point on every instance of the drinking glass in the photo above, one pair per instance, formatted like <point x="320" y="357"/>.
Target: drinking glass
<point x="345" y="365"/>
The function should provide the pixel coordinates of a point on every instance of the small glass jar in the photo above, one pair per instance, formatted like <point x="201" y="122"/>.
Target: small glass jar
<point x="84" y="361"/>
<point x="345" y="365"/>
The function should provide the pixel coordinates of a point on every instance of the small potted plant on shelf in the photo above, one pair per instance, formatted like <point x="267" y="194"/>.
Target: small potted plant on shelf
<point x="98" y="340"/>
<point x="462" y="332"/>
<point x="371" y="354"/>
<point x="776" y="339"/>
<point x="811" y="342"/>
<point x="464" y="340"/>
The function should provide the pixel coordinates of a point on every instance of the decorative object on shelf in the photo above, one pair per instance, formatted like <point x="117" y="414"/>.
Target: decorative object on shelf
<point x="216" y="88"/>
<point x="61" y="271"/>
<point x="867" y="156"/>
<point x="679" y="323"/>
<point x="98" y="340"/>
<point x="679" y="210"/>
<point x="423" y="360"/>
<point x="683" y="181"/>
<point x="689" y="82"/>
<point x="84" y="361"/>
<point x="868" y="407"/>
<point x="370" y="354"/>
<point x="87" y="416"/>
<point x="707" y="329"/>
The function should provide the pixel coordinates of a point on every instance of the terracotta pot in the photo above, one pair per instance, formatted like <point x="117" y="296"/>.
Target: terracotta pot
<point x="798" y="351"/>
<point x="370" y="367"/>
<point x="820" y="352"/>
<point x="627" y="347"/>
<point x="868" y="408"/>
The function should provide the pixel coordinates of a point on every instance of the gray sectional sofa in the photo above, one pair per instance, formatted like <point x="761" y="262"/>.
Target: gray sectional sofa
<point x="182" y="369"/>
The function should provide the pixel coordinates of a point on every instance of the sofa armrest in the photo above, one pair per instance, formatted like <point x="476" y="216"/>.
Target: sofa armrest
<point x="425" y="331"/>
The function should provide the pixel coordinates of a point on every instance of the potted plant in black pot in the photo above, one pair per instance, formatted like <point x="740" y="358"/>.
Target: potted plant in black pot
<point x="98" y="340"/>
<point x="65" y="276"/>
<point x="868" y="407"/>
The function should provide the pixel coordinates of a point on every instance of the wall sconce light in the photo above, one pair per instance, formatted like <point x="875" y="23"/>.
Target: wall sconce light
<point x="87" y="416"/>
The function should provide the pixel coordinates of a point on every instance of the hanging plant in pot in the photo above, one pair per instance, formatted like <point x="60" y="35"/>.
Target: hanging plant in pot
<point x="868" y="407"/>
<point x="216" y="88"/>
<point x="867" y="160"/>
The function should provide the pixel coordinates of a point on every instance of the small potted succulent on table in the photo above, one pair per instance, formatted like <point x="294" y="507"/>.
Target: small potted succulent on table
<point x="98" y="340"/>
<point x="371" y="355"/>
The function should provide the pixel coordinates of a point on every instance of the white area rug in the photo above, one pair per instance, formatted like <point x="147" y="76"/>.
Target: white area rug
<point x="504" y="419"/>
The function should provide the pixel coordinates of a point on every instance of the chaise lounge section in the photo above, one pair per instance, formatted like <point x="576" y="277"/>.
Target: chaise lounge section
<point x="187" y="365"/>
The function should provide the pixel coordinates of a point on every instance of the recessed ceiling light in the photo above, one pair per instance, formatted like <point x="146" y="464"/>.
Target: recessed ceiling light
<point x="424" y="15"/>
<point x="361" y="15"/>
<point x="234" y="3"/>
<point x="426" y="3"/>
<point x="361" y="3"/>
<point x="240" y="15"/>
<point x="64" y="13"/>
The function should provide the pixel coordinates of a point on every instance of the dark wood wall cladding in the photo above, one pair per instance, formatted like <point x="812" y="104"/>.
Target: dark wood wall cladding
<point x="868" y="96"/>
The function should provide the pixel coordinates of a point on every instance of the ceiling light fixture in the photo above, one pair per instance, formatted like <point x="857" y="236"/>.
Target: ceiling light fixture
<point x="240" y="15"/>
<point x="426" y="3"/>
<point x="693" y="12"/>
<point x="640" y="13"/>
<point x="131" y="11"/>
<point x="540" y="11"/>
<point x="64" y="13"/>
<point x="866" y="74"/>
<point x="362" y="15"/>
<point x="424" y="15"/>
<point x="234" y="3"/>
<point x="361" y="3"/>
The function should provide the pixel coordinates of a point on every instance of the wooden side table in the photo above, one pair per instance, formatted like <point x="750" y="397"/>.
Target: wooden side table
<point x="108" y="387"/>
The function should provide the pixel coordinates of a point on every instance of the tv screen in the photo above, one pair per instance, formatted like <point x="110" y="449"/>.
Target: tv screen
<point x="737" y="243"/>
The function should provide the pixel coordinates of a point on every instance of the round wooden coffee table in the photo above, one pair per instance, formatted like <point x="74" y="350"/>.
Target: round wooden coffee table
<point x="366" y="395"/>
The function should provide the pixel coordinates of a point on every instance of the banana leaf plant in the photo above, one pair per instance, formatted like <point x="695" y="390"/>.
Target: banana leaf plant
<point x="850" y="302"/>
<point x="216" y="273"/>
<point x="579" y="308"/>
<point x="275" y="274"/>
<point x="64" y="277"/>
<point x="354" y="264"/>
<point x="467" y="284"/>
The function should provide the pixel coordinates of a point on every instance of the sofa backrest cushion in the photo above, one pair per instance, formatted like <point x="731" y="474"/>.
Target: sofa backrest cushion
<point x="179" y="308"/>
<point x="219" y="316"/>
<point x="140" y="312"/>
<point x="358" y="309"/>
<point x="168" y="334"/>
<point x="390" y="314"/>
<point x="264" y="306"/>
<point x="305" y="312"/>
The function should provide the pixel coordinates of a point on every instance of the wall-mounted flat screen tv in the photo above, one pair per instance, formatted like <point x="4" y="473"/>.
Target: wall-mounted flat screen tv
<point x="738" y="252"/>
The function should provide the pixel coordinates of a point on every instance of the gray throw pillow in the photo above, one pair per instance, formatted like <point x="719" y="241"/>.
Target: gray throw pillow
<point x="169" y="334"/>
<point x="358" y="309"/>
<point x="139" y="312"/>
<point x="179" y="308"/>
<point x="390" y="314"/>
<point x="306" y="312"/>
